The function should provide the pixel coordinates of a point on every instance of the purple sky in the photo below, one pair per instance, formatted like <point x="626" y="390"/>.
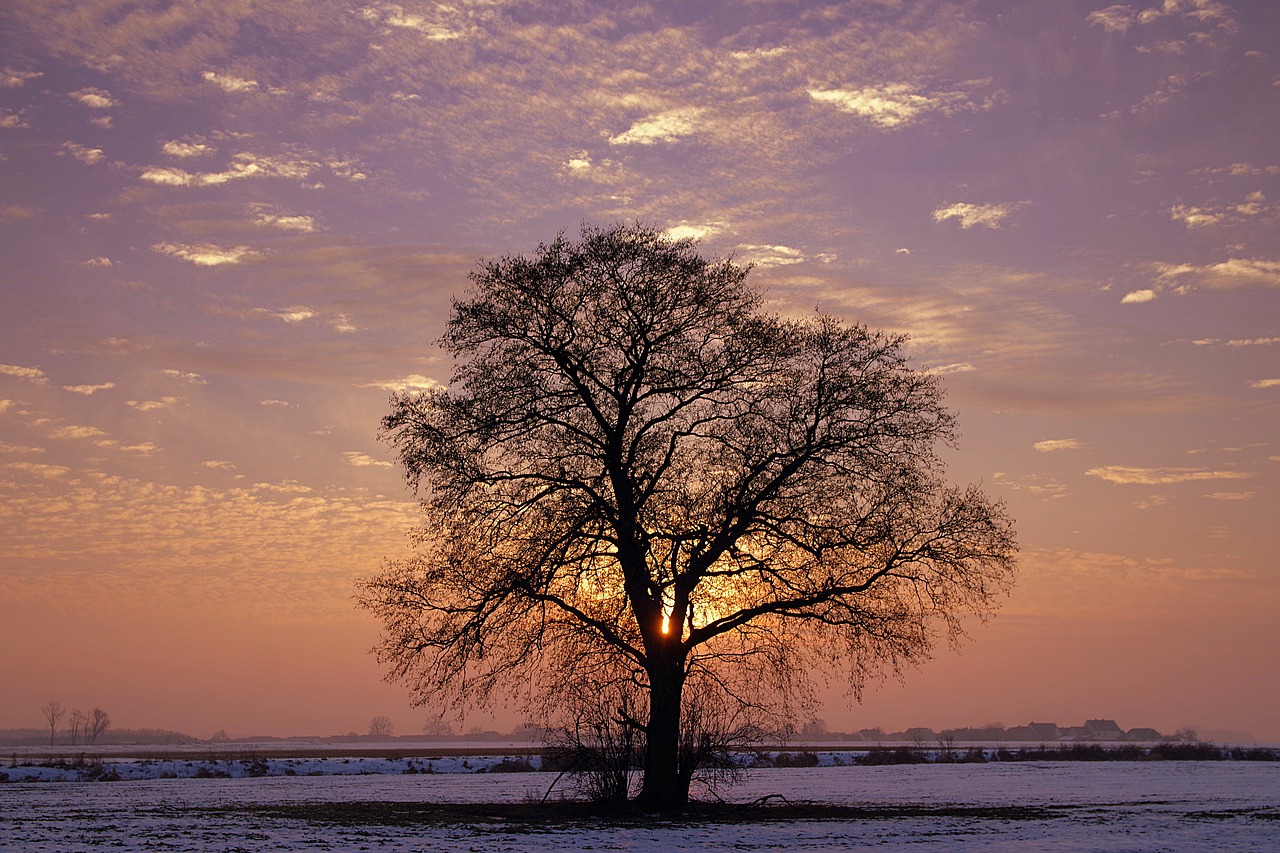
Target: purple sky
<point x="230" y="228"/>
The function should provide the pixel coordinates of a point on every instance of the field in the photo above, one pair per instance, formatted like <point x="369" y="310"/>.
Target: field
<point x="390" y="804"/>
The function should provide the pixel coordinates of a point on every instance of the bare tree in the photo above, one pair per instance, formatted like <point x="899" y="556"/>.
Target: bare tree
<point x="381" y="726"/>
<point x="78" y="724"/>
<point x="636" y="470"/>
<point x="53" y="713"/>
<point x="97" y="723"/>
<point x="437" y="726"/>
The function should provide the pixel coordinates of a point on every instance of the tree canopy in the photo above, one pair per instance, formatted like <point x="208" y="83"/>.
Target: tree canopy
<point x="638" y="477"/>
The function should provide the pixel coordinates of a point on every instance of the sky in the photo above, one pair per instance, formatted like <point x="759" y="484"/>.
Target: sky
<point x="231" y="229"/>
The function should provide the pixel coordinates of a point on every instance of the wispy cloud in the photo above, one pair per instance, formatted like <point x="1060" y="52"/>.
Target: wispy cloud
<point x="89" y="389"/>
<point x="207" y="255"/>
<point x="412" y="382"/>
<point x="364" y="460"/>
<point x="894" y="105"/>
<point x="96" y="99"/>
<point x="29" y="374"/>
<point x="663" y="127"/>
<point x="74" y="431"/>
<point x="83" y="153"/>
<point x="1264" y="383"/>
<point x="12" y="79"/>
<point x="1126" y="475"/>
<point x="153" y="405"/>
<point x="969" y="215"/>
<point x="296" y="314"/>
<point x="1053" y="445"/>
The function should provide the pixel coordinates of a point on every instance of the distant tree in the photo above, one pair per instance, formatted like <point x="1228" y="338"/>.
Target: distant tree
<point x="814" y="728"/>
<point x="638" y="477"/>
<point x="53" y="713"/>
<point x="78" y="723"/>
<point x="96" y="724"/>
<point x="220" y="736"/>
<point x="381" y="726"/>
<point x="437" y="726"/>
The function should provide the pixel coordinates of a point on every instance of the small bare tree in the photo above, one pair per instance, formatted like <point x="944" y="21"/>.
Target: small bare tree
<point x="381" y="726"/>
<point x="97" y="723"/>
<point x="77" y="725"/>
<point x="438" y="726"/>
<point x="53" y="713"/>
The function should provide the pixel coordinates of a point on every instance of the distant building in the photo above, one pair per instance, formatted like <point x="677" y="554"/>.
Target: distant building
<point x="1144" y="734"/>
<point x="1044" y="731"/>
<point x="1103" y="730"/>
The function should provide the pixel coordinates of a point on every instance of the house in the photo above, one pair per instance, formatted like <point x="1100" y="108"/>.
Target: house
<point x="1144" y="734"/>
<point x="1103" y="730"/>
<point x="1044" y="731"/>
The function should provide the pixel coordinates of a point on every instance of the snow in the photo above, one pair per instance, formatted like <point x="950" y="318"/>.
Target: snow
<point x="1108" y="806"/>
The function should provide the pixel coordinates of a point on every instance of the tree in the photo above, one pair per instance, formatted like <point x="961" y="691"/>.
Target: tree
<point x="53" y="713"/>
<point x="637" y="478"/>
<point x="78" y="723"/>
<point x="381" y="726"/>
<point x="96" y="724"/>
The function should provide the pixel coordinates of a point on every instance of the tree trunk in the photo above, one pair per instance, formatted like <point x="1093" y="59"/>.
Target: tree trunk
<point x="665" y="787"/>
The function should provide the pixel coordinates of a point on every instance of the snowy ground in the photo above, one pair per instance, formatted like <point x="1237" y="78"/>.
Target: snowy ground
<point x="1111" y="806"/>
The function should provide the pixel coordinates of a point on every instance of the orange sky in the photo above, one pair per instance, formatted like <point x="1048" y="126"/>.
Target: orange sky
<point x="228" y="232"/>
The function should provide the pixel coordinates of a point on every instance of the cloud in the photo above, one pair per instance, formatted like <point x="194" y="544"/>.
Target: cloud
<point x="35" y="469"/>
<point x="1114" y="19"/>
<point x="287" y="222"/>
<point x="33" y="375"/>
<point x="11" y="79"/>
<point x="1255" y="205"/>
<point x="1136" y="297"/>
<point x="1253" y="342"/>
<point x="89" y="389"/>
<point x="184" y="150"/>
<point x="218" y="465"/>
<point x="5" y="447"/>
<point x="971" y="215"/>
<point x="1264" y="383"/>
<point x="363" y="460"/>
<point x="663" y="127"/>
<point x="153" y="405"/>
<point x="96" y="99"/>
<point x="1161" y="476"/>
<point x="393" y="16"/>
<point x="412" y="382"/>
<point x="247" y="164"/>
<point x="1231" y="274"/>
<point x="1052" y="445"/>
<point x="88" y="156"/>
<point x="1230" y="496"/>
<point x="98" y="262"/>
<point x="774" y="256"/>
<point x="282" y="403"/>
<point x="207" y="255"/>
<point x="189" y="378"/>
<point x="945" y="369"/>
<point x="895" y="105"/>
<point x="76" y="432"/>
<point x="1121" y="18"/>
<point x="145" y="448"/>
<point x="289" y="315"/>
<point x="230" y="83"/>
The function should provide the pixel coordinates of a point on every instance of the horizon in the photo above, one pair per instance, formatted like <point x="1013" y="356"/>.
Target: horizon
<point x="229" y="236"/>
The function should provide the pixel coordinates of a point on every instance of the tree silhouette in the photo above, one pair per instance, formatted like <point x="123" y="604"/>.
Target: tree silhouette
<point x="639" y="478"/>
<point x="53" y="713"/>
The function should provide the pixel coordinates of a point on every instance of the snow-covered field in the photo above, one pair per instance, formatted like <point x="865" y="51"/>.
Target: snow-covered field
<point x="1110" y="806"/>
